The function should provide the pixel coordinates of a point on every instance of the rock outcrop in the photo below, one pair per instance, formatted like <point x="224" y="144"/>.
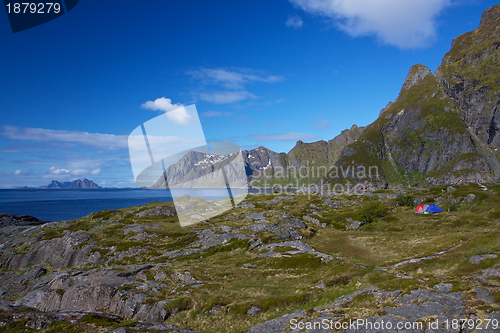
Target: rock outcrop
<point x="7" y="220"/>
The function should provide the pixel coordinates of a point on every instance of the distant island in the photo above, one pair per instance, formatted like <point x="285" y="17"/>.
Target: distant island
<point x="76" y="184"/>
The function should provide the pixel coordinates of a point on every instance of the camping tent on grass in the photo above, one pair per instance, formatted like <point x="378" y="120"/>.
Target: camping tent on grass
<point x="428" y="209"/>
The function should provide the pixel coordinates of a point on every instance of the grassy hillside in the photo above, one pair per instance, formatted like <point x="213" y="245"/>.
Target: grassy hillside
<point x="238" y="275"/>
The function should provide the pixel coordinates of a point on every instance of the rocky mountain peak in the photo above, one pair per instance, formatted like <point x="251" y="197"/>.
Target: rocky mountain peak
<point x="490" y="16"/>
<point x="385" y="109"/>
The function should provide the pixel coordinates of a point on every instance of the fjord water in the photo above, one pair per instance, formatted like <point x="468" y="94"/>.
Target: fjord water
<point x="60" y="205"/>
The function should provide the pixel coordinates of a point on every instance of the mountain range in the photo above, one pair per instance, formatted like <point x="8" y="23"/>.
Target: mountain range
<point x="76" y="184"/>
<point x="443" y="128"/>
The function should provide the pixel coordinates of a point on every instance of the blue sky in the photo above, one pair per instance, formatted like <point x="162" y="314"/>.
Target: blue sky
<point x="260" y="73"/>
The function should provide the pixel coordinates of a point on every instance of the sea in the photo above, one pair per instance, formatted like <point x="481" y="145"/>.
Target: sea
<point x="61" y="205"/>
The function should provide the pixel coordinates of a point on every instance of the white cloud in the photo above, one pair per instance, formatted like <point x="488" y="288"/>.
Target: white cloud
<point x="56" y="171"/>
<point x="95" y="172"/>
<point x="161" y="104"/>
<point x="321" y="124"/>
<point x="209" y="114"/>
<point x="84" y="139"/>
<point x="233" y="79"/>
<point x="233" y="82"/>
<point x="179" y="117"/>
<point x="17" y="172"/>
<point x="66" y="173"/>
<point x="403" y="23"/>
<point x="79" y="172"/>
<point x="224" y="97"/>
<point x="176" y="114"/>
<point x="294" y="22"/>
<point x="287" y="137"/>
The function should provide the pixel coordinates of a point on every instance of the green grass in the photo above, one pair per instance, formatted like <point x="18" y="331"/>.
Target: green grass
<point x="98" y="320"/>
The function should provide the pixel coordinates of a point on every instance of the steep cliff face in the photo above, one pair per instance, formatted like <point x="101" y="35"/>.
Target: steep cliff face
<point x="470" y="75"/>
<point x="443" y="127"/>
<point x="346" y="137"/>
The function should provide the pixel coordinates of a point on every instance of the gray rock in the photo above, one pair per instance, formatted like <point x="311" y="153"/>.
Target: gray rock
<point x="160" y="275"/>
<point x="249" y="265"/>
<point x="254" y="310"/>
<point x="354" y="224"/>
<point x="386" y="195"/>
<point x="185" y="278"/>
<point x="333" y="203"/>
<point x="163" y="328"/>
<point x="278" y="199"/>
<point x="6" y="306"/>
<point x="484" y="295"/>
<point x="167" y="211"/>
<point x="62" y="252"/>
<point x="141" y="276"/>
<point x="119" y="330"/>
<point x="489" y="272"/>
<point x="258" y="217"/>
<point x="246" y="204"/>
<point x="386" y="294"/>
<point x="37" y="321"/>
<point x="278" y="324"/>
<point x="282" y="231"/>
<point x="311" y="219"/>
<point x="413" y="311"/>
<point x="299" y="247"/>
<point x="320" y="286"/>
<point x="443" y="287"/>
<point x="155" y="314"/>
<point x="208" y="238"/>
<point x="470" y="197"/>
<point x="477" y="259"/>
<point x="134" y="270"/>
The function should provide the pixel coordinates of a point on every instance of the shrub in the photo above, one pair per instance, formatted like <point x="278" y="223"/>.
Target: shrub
<point x="405" y="200"/>
<point x="494" y="215"/>
<point x="98" y="319"/>
<point x="183" y="303"/>
<point x="373" y="210"/>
